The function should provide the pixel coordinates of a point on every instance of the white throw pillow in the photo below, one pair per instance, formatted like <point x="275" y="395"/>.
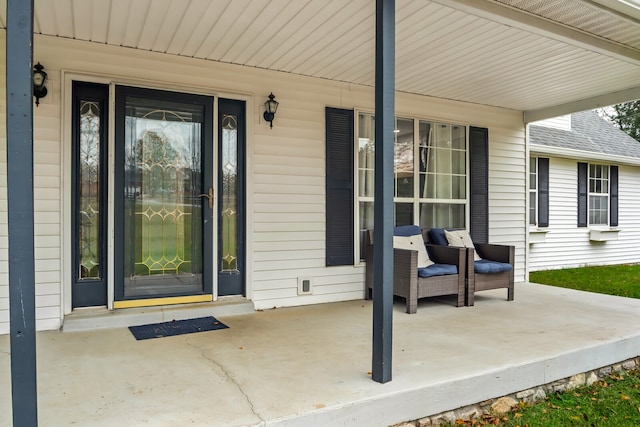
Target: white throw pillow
<point x="461" y="239"/>
<point x="414" y="243"/>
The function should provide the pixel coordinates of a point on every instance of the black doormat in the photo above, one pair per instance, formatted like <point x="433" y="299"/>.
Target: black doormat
<point x="176" y="327"/>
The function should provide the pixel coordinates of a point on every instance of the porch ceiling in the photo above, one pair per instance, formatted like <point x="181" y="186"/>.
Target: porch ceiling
<point x="540" y="56"/>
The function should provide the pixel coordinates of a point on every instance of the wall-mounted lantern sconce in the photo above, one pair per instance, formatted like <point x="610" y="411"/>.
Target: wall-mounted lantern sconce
<point x="270" y="108"/>
<point x="39" y="79"/>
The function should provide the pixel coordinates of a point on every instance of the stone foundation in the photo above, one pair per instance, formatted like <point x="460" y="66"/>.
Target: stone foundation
<point x="505" y="403"/>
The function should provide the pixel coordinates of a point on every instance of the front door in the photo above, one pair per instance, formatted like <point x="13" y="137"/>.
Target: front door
<point x="164" y="196"/>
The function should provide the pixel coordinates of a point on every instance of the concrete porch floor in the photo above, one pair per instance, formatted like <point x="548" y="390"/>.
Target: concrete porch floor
<point x="309" y="366"/>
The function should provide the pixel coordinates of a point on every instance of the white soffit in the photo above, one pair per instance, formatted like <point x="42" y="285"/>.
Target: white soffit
<point x="526" y="55"/>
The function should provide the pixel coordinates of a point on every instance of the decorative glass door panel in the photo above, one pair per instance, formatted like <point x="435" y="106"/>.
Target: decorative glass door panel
<point x="89" y="194"/>
<point x="89" y="199"/>
<point x="166" y="202"/>
<point x="229" y="196"/>
<point x="231" y="204"/>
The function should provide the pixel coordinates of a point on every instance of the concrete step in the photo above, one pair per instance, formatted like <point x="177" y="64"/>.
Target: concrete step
<point x="101" y="318"/>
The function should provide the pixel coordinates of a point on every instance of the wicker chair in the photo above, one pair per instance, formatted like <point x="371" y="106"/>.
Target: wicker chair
<point x="482" y="281"/>
<point x="485" y="281"/>
<point x="406" y="282"/>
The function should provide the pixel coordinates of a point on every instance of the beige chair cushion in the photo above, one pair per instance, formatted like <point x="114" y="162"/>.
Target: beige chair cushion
<point x="461" y="239"/>
<point x="414" y="243"/>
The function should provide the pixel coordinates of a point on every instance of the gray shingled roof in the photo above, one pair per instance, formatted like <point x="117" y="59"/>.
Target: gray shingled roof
<point x="589" y="132"/>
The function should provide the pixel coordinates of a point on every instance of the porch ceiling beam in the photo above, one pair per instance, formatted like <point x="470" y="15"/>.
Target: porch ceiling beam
<point x="538" y="25"/>
<point x="19" y="66"/>
<point x="583" y="105"/>
<point x="383" y="194"/>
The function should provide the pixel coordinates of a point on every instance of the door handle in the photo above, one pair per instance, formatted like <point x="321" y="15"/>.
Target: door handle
<point x="208" y="196"/>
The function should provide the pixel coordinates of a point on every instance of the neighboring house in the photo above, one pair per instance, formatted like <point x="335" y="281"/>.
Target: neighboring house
<point x="158" y="180"/>
<point x="584" y="201"/>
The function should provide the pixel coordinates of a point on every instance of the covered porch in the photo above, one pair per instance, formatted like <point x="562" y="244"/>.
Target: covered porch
<point x="491" y="64"/>
<point x="310" y="365"/>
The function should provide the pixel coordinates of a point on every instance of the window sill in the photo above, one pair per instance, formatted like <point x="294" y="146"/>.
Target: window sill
<point x="537" y="235"/>
<point x="603" y="234"/>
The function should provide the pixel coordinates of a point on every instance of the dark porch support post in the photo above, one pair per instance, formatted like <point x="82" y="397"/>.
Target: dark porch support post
<point x="20" y="206"/>
<point x="383" y="196"/>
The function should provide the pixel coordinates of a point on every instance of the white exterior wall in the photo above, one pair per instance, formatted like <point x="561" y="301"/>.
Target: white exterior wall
<point x="560" y="122"/>
<point x="566" y="245"/>
<point x="285" y="169"/>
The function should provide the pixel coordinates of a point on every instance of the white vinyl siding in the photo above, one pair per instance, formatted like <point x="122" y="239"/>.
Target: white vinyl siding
<point x="285" y="170"/>
<point x="47" y="213"/>
<point x="567" y="245"/>
<point x="560" y="122"/>
<point x="508" y="184"/>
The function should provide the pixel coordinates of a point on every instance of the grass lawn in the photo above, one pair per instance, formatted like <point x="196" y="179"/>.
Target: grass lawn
<point x="621" y="280"/>
<point x="613" y="402"/>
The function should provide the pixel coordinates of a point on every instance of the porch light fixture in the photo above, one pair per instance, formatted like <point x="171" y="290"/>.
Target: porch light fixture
<point x="270" y="108"/>
<point x="39" y="79"/>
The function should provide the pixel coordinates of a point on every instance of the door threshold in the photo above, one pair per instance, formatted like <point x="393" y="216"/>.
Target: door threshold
<point x="88" y="319"/>
<point x="149" y="302"/>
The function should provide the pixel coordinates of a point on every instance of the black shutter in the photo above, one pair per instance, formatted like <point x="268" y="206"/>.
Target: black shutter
<point x="543" y="192"/>
<point x="479" y="179"/>
<point x="583" y="194"/>
<point x="339" y="187"/>
<point x="613" y="196"/>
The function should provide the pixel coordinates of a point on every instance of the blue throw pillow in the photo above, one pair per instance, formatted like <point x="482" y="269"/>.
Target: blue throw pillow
<point x="437" y="237"/>
<point x="487" y="266"/>
<point x="438" y="270"/>
<point x="407" y="230"/>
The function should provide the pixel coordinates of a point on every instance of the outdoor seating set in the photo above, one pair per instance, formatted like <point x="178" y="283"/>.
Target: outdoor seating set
<point x="437" y="262"/>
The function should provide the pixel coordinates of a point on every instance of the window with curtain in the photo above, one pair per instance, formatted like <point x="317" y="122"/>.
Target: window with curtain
<point x="598" y="194"/>
<point x="430" y="173"/>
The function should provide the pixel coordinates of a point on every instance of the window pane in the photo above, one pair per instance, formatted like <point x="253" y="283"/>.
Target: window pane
<point x="459" y="162"/>
<point x="444" y="161"/>
<point x="443" y="189"/>
<point x="429" y="190"/>
<point x="404" y="213"/>
<point x="425" y="129"/>
<point x="442" y="215"/>
<point x="443" y="136"/>
<point x="366" y="159"/>
<point x="598" y="210"/>
<point x="458" y="187"/>
<point x="403" y="161"/>
<point x="533" y="203"/>
<point x="365" y="223"/>
<point x="458" y="137"/>
<point x="428" y="179"/>
<point x="533" y="173"/>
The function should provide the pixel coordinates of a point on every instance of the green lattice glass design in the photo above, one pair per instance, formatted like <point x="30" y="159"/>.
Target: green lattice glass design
<point x="88" y="192"/>
<point x="229" y="199"/>
<point x="163" y="210"/>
